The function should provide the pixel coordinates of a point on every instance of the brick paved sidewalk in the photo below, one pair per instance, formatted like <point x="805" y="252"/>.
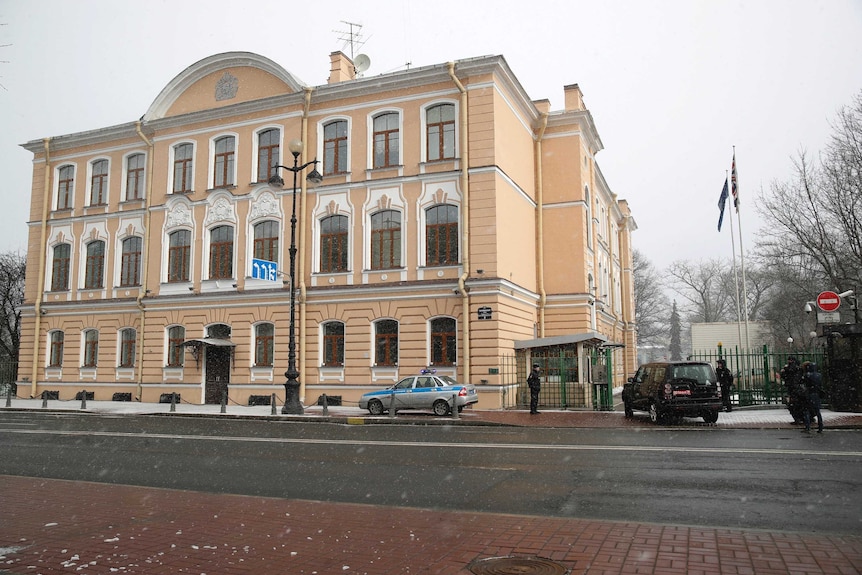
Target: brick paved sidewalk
<point x="53" y="526"/>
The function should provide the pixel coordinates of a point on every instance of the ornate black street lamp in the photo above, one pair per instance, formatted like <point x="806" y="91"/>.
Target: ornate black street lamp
<point x="292" y="404"/>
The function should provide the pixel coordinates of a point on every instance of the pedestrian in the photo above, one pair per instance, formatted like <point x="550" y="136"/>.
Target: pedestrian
<point x="791" y="376"/>
<point x="813" y="385"/>
<point x="535" y="385"/>
<point x="725" y="380"/>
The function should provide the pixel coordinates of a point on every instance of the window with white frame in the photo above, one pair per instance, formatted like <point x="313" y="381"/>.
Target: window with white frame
<point x="130" y="266"/>
<point x="179" y="256"/>
<point x="65" y="187"/>
<point x="386" y="136"/>
<point x="335" y="142"/>
<point x="55" y="353"/>
<point x="221" y="253"/>
<point x="264" y="344"/>
<point x="333" y="244"/>
<point x="440" y="132"/>
<point x="268" y="153"/>
<point x="99" y="183"/>
<point x="333" y="344"/>
<point x="224" y="161"/>
<point x="386" y="342"/>
<point x="94" y="269"/>
<point x="128" y="343"/>
<point x="183" y="168"/>
<point x="386" y="240"/>
<point x="135" y="177"/>
<point x="444" y="341"/>
<point x="60" y="267"/>
<point x="176" y="351"/>
<point x="441" y="235"/>
<point x="91" y="348"/>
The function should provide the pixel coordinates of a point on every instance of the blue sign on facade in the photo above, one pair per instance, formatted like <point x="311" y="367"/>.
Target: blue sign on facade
<point x="264" y="270"/>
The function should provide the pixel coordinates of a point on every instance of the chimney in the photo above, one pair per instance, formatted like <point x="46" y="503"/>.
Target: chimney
<point x="341" y="68"/>
<point x="574" y="98"/>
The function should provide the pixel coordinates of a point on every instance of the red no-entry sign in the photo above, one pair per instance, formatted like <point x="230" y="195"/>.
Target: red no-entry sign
<point x="828" y="301"/>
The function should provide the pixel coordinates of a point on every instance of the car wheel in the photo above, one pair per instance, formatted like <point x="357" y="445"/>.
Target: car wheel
<point x="628" y="409"/>
<point x="655" y="414"/>
<point x="375" y="407"/>
<point x="441" y="407"/>
<point x="710" y="416"/>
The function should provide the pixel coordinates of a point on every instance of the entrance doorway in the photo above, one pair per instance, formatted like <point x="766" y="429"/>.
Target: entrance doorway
<point x="217" y="363"/>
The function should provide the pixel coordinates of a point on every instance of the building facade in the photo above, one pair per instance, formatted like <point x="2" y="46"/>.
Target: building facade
<point x="455" y="218"/>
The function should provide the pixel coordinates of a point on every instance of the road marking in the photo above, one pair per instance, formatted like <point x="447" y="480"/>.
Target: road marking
<point x="532" y="446"/>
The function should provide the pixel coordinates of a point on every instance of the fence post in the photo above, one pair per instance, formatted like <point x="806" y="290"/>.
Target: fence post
<point x="455" y="414"/>
<point x="325" y="404"/>
<point x="223" y="402"/>
<point x="44" y="400"/>
<point x="173" y="402"/>
<point x="272" y="403"/>
<point x="84" y="399"/>
<point x="9" y="397"/>
<point x="392" y="405"/>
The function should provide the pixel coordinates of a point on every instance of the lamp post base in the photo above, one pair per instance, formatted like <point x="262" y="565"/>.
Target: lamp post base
<point x="292" y="406"/>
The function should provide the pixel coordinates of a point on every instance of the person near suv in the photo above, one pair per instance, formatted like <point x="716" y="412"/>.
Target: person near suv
<point x="725" y="380"/>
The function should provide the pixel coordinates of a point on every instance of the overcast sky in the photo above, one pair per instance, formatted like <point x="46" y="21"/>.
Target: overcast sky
<point x="673" y="86"/>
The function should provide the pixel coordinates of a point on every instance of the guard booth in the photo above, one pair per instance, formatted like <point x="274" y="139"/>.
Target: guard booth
<point x="576" y="371"/>
<point x="844" y="365"/>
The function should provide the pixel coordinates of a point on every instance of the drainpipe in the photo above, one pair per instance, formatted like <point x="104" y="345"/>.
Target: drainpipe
<point x="540" y="230"/>
<point x="142" y="291"/>
<point x="302" y="287"/>
<point x="465" y="218"/>
<point x="40" y="284"/>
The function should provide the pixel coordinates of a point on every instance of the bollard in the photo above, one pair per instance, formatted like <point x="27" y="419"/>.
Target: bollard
<point x="173" y="402"/>
<point x="9" y="397"/>
<point x="392" y="405"/>
<point x="272" y="403"/>
<point x="44" y="400"/>
<point x="84" y="399"/>
<point x="455" y="414"/>
<point x="325" y="405"/>
<point x="224" y="402"/>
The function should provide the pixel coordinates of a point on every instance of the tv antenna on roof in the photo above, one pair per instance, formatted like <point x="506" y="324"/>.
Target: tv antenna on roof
<point x="352" y="37"/>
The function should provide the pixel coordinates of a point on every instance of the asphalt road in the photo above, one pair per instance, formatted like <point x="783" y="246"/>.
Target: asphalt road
<point x="765" y="479"/>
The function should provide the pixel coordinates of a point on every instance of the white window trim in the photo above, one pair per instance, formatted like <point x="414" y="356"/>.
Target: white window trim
<point x="320" y="142"/>
<point x="376" y="203"/>
<point x="423" y="129"/>
<point x="255" y="146"/>
<point x="55" y="201"/>
<point x="89" y="187"/>
<point x="124" y="184"/>
<point x="433" y="194"/>
<point x="211" y="159"/>
<point x="171" y="155"/>
<point x="370" y="140"/>
<point x="340" y="201"/>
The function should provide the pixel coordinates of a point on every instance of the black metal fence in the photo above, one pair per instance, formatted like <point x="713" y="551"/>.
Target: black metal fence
<point x="561" y="386"/>
<point x="8" y="378"/>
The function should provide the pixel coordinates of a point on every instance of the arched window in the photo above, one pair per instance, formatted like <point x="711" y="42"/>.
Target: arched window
<point x="386" y="240"/>
<point x="179" y="256"/>
<point x="183" y="168"/>
<point x="264" y="344"/>
<point x="99" y="183"/>
<point x="444" y="342"/>
<point x="65" y="187"/>
<point x="333" y="244"/>
<point x="333" y="344"/>
<point x="128" y="340"/>
<point x="95" y="267"/>
<point x="268" y="153"/>
<point x="441" y="235"/>
<point x="221" y="253"/>
<point x="135" y="177"/>
<point x="223" y="165"/>
<point x="386" y="137"/>
<point x="266" y="241"/>
<point x="335" y="147"/>
<point x="60" y="267"/>
<point x="386" y="342"/>
<point x="130" y="271"/>
<point x="440" y="127"/>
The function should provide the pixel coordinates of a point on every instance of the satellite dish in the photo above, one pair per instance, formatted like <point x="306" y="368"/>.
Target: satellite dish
<point x="362" y="63"/>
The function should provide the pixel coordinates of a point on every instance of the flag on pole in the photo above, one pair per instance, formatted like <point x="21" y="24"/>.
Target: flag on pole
<point x="722" y="200"/>
<point x="734" y="185"/>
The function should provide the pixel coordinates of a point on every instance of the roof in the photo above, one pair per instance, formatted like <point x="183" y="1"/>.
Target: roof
<point x="590" y="336"/>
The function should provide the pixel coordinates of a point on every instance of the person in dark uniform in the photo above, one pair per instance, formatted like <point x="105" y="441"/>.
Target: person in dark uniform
<point x="797" y="400"/>
<point x="725" y="380"/>
<point x="813" y="383"/>
<point x="535" y="386"/>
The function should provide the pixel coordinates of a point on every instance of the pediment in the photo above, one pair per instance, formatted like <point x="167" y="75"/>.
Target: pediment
<point x="222" y="80"/>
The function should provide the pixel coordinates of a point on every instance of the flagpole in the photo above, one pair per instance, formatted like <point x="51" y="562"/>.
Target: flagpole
<point x="735" y="184"/>
<point x="736" y="279"/>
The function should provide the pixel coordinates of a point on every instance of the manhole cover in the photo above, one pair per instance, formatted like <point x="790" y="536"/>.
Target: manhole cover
<point x="516" y="566"/>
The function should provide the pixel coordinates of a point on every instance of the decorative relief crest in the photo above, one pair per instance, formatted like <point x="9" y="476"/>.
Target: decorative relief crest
<point x="221" y="211"/>
<point x="440" y="196"/>
<point x="384" y="203"/>
<point x="94" y="234"/>
<point x="226" y="87"/>
<point x="264" y="205"/>
<point x="332" y="208"/>
<point x="180" y="215"/>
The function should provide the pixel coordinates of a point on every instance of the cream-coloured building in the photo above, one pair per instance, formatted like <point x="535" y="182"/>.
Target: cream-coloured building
<point x="458" y="224"/>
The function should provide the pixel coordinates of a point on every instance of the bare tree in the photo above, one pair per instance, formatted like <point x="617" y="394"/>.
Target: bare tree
<point x="12" y="266"/>
<point x="815" y="218"/>
<point x="705" y="289"/>
<point x="675" y="347"/>
<point x="651" y="303"/>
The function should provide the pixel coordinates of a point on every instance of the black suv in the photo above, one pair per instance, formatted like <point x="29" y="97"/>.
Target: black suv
<point x="674" y="388"/>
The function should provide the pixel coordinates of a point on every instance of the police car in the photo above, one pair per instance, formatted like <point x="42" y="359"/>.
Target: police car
<point x="426" y="390"/>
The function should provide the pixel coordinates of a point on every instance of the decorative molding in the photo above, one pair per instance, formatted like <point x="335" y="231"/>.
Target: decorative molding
<point x="179" y="215"/>
<point x="221" y="211"/>
<point x="226" y="87"/>
<point x="265" y="205"/>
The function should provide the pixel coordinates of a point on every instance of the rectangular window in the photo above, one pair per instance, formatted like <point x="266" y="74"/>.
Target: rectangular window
<point x="221" y="253"/>
<point x="333" y="244"/>
<point x="176" y="351"/>
<point x="183" y="164"/>
<point x="264" y="344"/>
<point x="266" y="241"/>
<point x="441" y="235"/>
<point x="224" y="162"/>
<point x="443" y="341"/>
<point x="99" y="183"/>
<point x="386" y="342"/>
<point x="386" y="240"/>
<point x="135" y="177"/>
<point x="333" y="344"/>
<point x="128" y="340"/>
<point x="91" y="348"/>
<point x="56" y="355"/>
<point x="440" y="126"/>
<point x="65" y="187"/>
